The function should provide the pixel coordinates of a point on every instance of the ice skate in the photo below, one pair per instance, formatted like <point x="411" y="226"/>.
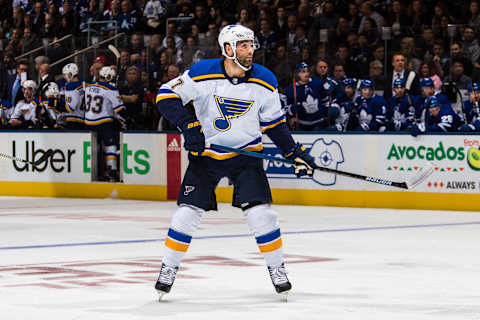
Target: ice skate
<point x="280" y="279"/>
<point x="165" y="280"/>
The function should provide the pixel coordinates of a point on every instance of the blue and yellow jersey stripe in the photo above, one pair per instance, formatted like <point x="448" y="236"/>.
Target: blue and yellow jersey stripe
<point x="270" y="241"/>
<point x="165" y="94"/>
<point x="262" y="83"/>
<point x="99" y="121"/>
<point x="119" y="108"/>
<point x="177" y="241"/>
<point x="271" y="124"/>
<point x="212" y="76"/>
<point x="217" y="154"/>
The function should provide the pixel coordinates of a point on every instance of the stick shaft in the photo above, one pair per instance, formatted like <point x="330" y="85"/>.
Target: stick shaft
<point x="384" y="182"/>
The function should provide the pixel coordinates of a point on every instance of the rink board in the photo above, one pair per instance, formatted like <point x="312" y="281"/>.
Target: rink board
<point x="152" y="165"/>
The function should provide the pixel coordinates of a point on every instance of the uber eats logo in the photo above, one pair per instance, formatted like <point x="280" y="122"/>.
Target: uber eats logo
<point x="436" y="153"/>
<point x="140" y="160"/>
<point x="60" y="160"/>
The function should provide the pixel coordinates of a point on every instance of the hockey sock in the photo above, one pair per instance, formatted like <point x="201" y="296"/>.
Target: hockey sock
<point x="263" y="222"/>
<point x="111" y="156"/>
<point x="184" y="223"/>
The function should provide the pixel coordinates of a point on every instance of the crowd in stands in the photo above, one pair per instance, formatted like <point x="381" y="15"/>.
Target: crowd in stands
<point x="365" y="77"/>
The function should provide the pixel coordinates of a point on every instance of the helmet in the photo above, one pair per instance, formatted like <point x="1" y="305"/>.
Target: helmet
<point x="399" y="83"/>
<point x="350" y="82"/>
<point x="232" y="34"/>
<point x="69" y="71"/>
<point x="366" y="83"/>
<point x="431" y="102"/>
<point x="301" y="66"/>
<point x="29" y="84"/>
<point x="51" y="89"/>
<point x="107" y="73"/>
<point x="474" y="87"/>
<point x="426" y="82"/>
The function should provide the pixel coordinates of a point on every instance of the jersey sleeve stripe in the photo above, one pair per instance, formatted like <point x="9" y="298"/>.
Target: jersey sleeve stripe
<point x="271" y="124"/>
<point x="163" y="90"/>
<point x="269" y="237"/>
<point x="271" y="246"/>
<point x="166" y="96"/>
<point x="119" y="108"/>
<point x="209" y="77"/>
<point x="262" y="83"/>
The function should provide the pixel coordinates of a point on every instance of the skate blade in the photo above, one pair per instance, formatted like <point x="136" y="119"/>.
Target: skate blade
<point x="161" y="295"/>
<point x="284" y="295"/>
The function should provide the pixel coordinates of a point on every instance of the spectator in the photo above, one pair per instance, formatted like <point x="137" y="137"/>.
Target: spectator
<point x="457" y="53"/>
<point x="474" y="15"/>
<point x="377" y="76"/>
<point x="424" y="44"/>
<point x="369" y="12"/>
<point x="91" y="15"/>
<point x="341" y="31"/>
<point x="45" y="79"/>
<point x="280" y="23"/>
<point x="343" y="57"/>
<point x="418" y="14"/>
<point x="282" y="67"/>
<point x="407" y="48"/>
<point x="300" y="42"/>
<point x="458" y="76"/>
<point x="14" y="82"/>
<point x="172" y="31"/>
<point x="291" y="31"/>
<point x="49" y="29"/>
<point x="398" y="20"/>
<point x="124" y="64"/>
<point x="400" y="71"/>
<point x="136" y="43"/>
<point x="427" y="70"/>
<point x="470" y="45"/>
<point x="128" y="18"/>
<point x="440" y="58"/>
<point x="354" y="17"/>
<point x="243" y="17"/>
<point x="191" y="53"/>
<point x="132" y="97"/>
<point x="153" y="12"/>
<point x="38" y="15"/>
<point x="338" y="72"/>
<point x="200" y="18"/>
<point x="267" y="37"/>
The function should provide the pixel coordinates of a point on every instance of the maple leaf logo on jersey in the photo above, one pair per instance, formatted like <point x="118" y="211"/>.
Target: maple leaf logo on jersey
<point x="229" y="108"/>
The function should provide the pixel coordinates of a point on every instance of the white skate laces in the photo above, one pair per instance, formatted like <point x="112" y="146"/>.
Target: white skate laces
<point x="167" y="275"/>
<point x="278" y="275"/>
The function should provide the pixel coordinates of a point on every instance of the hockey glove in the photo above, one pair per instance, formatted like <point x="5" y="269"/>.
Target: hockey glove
<point x="417" y="129"/>
<point x="466" y="128"/>
<point x="304" y="163"/>
<point x="194" y="138"/>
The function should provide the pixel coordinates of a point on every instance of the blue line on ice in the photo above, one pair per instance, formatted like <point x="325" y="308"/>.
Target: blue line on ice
<point x="98" y="243"/>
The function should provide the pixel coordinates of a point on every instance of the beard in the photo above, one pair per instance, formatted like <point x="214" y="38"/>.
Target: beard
<point x="245" y="61"/>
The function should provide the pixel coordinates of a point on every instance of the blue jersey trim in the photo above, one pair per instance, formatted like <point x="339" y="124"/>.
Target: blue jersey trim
<point x="206" y="67"/>
<point x="269" y="237"/>
<point x="182" y="237"/>
<point x="75" y="85"/>
<point x="102" y="84"/>
<point x="264" y="74"/>
<point x="267" y="123"/>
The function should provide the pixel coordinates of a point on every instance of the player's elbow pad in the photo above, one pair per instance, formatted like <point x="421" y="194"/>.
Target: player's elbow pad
<point x="173" y="111"/>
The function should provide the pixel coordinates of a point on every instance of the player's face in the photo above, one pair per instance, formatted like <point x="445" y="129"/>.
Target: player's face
<point x="367" y="93"/>
<point x="245" y="51"/>
<point x="399" y="91"/>
<point x="477" y="95"/>
<point x="28" y="93"/>
<point x="350" y="91"/>
<point x="67" y="77"/>
<point x="434" y="110"/>
<point x="427" y="91"/>
<point x="304" y="75"/>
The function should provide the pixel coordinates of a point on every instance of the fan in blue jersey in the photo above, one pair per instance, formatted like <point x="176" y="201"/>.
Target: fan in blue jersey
<point x="401" y="107"/>
<point x="304" y="100"/>
<point x="471" y="110"/>
<point x="372" y="108"/>
<point x="440" y="118"/>
<point x="235" y="101"/>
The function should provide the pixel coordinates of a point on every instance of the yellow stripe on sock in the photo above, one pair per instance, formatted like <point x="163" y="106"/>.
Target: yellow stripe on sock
<point x="277" y="244"/>
<point x="176" y="245"/>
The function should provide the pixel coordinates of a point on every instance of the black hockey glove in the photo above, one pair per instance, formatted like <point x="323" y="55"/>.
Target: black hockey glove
<point x="304" y="163"/>
<point x="194" y="138"/>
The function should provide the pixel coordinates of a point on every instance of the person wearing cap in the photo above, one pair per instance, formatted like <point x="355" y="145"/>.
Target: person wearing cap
<point x="372" y="108"/>
<point x="471" y="110"/>
<point x="303" y="100"/>
<point x="402" y="107"/>
<point x="439" y="118"/>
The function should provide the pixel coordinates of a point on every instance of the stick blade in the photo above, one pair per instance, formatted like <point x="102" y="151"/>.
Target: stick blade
<point x="114" y="50"/>
<point x="44" y="157"/>
<point x="420" y="176"/>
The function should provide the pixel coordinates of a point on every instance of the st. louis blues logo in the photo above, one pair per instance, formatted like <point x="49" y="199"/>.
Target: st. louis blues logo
<point x="229" y="108"/>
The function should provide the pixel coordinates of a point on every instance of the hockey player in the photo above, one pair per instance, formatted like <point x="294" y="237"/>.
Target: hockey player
<point x="73" y="118"/>
<point x="24" y="113"/>
<point x="428" y="90"/>
<point x="471" y="110"/>
<point x="347" y="103"/>
<point x="102" y="104"/>
<point x="235" y="101"/>
<point x="440" y="118"/>
<point x="304" y="100"/>
<point x="342" y="105"/>
<point x="401" y="107"/>
<point x="372" y="108"/>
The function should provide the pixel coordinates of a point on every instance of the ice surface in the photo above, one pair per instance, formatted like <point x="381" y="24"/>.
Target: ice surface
<point x="98" y="259"/>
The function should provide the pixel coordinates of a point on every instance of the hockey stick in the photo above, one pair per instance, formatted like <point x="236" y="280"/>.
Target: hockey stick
<point x="47" y="154"/>
<point x="295" y="103"/>
<point x="116" y="53"/>
<point x="419" y="177"/>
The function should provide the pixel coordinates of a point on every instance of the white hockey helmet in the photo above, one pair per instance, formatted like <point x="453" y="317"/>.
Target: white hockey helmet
<point x="232" y="34"/>
<point x="51" y="90"/>
<point x="69" y="71"/>
<point x="29" y="84"/>
<point x="107" y="73"/>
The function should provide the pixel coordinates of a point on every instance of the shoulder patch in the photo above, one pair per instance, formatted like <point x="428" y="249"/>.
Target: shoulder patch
<point x="209" y="69"/>
<point x="264" y="77"/>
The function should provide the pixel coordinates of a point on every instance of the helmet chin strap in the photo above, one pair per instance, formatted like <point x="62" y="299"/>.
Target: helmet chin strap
<point x="234" y="58"/>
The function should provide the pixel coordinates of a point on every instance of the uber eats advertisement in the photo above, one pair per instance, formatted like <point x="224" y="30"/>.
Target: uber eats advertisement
<point x="456" y="159"/>
<point x="70" y="159"/>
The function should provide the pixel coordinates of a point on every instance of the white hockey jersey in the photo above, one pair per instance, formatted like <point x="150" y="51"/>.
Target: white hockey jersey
<point x="73" y="98"/>
<point x="102" y="102"/>
<point x="232" y="111"/>
<point x="25" y="110"/>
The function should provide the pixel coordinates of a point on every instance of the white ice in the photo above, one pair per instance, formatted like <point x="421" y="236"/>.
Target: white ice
<point x="99" y="258"/>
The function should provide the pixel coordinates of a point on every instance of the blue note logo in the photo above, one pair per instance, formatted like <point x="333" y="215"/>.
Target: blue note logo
<point x="229" y="108"/>
<point x="327" y="154"/>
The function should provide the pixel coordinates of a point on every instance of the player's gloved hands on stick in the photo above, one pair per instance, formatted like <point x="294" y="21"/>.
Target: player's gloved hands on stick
<point x="194" y="138"/>
<point x="304" y="163"/>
